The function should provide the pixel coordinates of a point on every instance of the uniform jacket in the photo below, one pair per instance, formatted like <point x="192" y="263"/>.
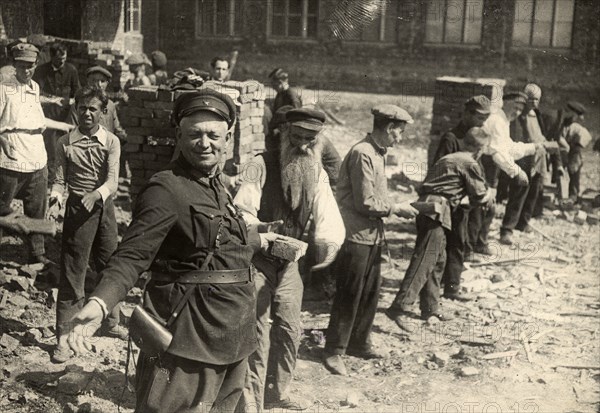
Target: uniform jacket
<point x="174" y="225"/>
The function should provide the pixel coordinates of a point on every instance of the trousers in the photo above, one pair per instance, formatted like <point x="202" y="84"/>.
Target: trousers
<point x="85" y="234"/>
<point x="30" y="187"/>
<point x="478" y="227"/>
<point x="521" y="203"/>
<point x="278" y="304"/>
<point x="424" y="273"/>
<point x="357" y="281"/>
<point x="178" y="385"/>
<point x="455" y="249"/>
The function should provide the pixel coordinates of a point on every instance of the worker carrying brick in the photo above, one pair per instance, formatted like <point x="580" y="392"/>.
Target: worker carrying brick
<point x="451" y="178"/>
<point x="362" y="194"/>
<point x="285" y="187"/>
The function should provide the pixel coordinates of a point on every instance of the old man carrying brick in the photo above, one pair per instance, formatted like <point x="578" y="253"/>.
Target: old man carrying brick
<point x="285" y="187"/>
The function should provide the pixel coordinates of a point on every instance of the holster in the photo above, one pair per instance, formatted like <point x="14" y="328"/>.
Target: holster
<point x="148" y="333"/>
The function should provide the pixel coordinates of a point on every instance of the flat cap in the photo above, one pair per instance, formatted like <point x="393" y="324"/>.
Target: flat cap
<point x="480" y="104"/>
<point x="159" y="59"/>
<point x="137" y="59"/>
<point x="306" y="118"/>
<point x="204" y="100"/>
<point x="278" y="73"/>
<point x="533" y="91"/>
<point x="392" y="112"/>
<point x="98" y="69"/>
<point x="279" y="116"/>
<point x="518" y="97"/>
<point x="576" y="107"/>
<point x="25" y="52"/>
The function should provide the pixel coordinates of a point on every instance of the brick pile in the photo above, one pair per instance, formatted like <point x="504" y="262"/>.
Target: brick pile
<point x="451" y="93"/>
<point x="151" y="136"/>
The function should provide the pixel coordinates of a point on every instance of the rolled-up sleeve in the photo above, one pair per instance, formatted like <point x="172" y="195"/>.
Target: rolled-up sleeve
<point x="475" y="183"/>
<point x="329" y="226"/>
<point x="109" y="187"/>
<point x="250" y="192"/>
<point x="366" y="199"/>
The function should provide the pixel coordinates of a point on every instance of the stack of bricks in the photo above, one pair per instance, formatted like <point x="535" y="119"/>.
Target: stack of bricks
<point x="451" y="93"/>
<point x="151" y="136"/>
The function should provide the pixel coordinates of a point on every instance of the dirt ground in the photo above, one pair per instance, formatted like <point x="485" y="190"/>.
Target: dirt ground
<point x="529" y="343"/>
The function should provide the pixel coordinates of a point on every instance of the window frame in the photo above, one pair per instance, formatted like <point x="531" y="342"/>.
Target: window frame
<point x="531" y="27"/>
<point x="128" y="12"/>
<point x="231" y="20"/>
<point x="462" y="43"/>
<point x="304" y="19"/>
<point x="382" y="21"/>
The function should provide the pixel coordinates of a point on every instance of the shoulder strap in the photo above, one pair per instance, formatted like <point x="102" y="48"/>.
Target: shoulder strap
<point x="191" y="287"/>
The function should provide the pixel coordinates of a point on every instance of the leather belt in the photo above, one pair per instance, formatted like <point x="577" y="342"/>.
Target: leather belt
<point x="205" y="277"/>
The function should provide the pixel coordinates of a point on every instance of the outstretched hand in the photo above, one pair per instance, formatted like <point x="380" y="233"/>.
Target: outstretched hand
<point x="83" y="326"/>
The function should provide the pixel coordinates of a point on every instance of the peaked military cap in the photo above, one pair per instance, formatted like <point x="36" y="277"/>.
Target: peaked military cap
<point x="280" y="115"/>
<point x="204" y="100"/>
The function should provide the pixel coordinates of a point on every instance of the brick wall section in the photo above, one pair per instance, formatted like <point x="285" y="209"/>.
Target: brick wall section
<point x="151" y="136"/>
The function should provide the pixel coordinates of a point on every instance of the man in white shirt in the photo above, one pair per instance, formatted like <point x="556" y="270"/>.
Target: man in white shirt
<point x="23" y="158"/>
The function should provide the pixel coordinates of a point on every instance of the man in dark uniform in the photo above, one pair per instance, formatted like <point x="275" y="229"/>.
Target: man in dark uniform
<point x="477" y="110"/>
<point x="186" y="230"/>
<point x="363" y="199"/>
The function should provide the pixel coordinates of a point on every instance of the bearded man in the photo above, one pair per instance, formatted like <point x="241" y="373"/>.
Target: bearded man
<point x="281" y="189"/>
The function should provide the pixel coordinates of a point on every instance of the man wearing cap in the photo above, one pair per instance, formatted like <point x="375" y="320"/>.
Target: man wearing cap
<point x="452" y="178"/>
<point x="23" y="158"/>
<point x="99" y="77"/>
<point x="159" y="75"/>
<point x="573" y="138"/>
<point x="59" y="82"/>
<point x="363" y="200"/>
<point x="285" y="94"/>
<point x="283" y="188"/>
<point x="476" y="111"/>
<point x="528" y="127"/>
<point x="137" y="68"/>
<point x="187" y="232"/>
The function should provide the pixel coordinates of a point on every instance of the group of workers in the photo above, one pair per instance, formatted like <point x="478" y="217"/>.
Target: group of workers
<point x="232" y="307"/>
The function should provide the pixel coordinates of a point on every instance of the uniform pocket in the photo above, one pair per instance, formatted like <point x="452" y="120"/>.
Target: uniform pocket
<point x="205" y="226"/>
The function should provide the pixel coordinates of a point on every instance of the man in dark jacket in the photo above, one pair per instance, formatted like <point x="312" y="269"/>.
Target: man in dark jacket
<point x="477" y="110"/>
<point x="186" y="230"/>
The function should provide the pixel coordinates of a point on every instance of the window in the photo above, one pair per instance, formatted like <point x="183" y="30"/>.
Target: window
<point x="132" y="15"/>
<point x="293" y="18"/>
<point x="454" y="21"/>
<point x="543" y="23"/>
<point x="221" y="18"/>
<point x="383" y="28"/>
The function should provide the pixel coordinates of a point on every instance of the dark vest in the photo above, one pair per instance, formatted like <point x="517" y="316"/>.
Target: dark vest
<point x="273" y="205"/>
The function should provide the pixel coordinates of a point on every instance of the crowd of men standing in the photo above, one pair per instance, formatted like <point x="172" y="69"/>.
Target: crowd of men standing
<point x="231" y="308"/>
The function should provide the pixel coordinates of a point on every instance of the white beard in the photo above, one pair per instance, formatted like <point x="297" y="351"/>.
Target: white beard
<point x="299" y="171"/>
